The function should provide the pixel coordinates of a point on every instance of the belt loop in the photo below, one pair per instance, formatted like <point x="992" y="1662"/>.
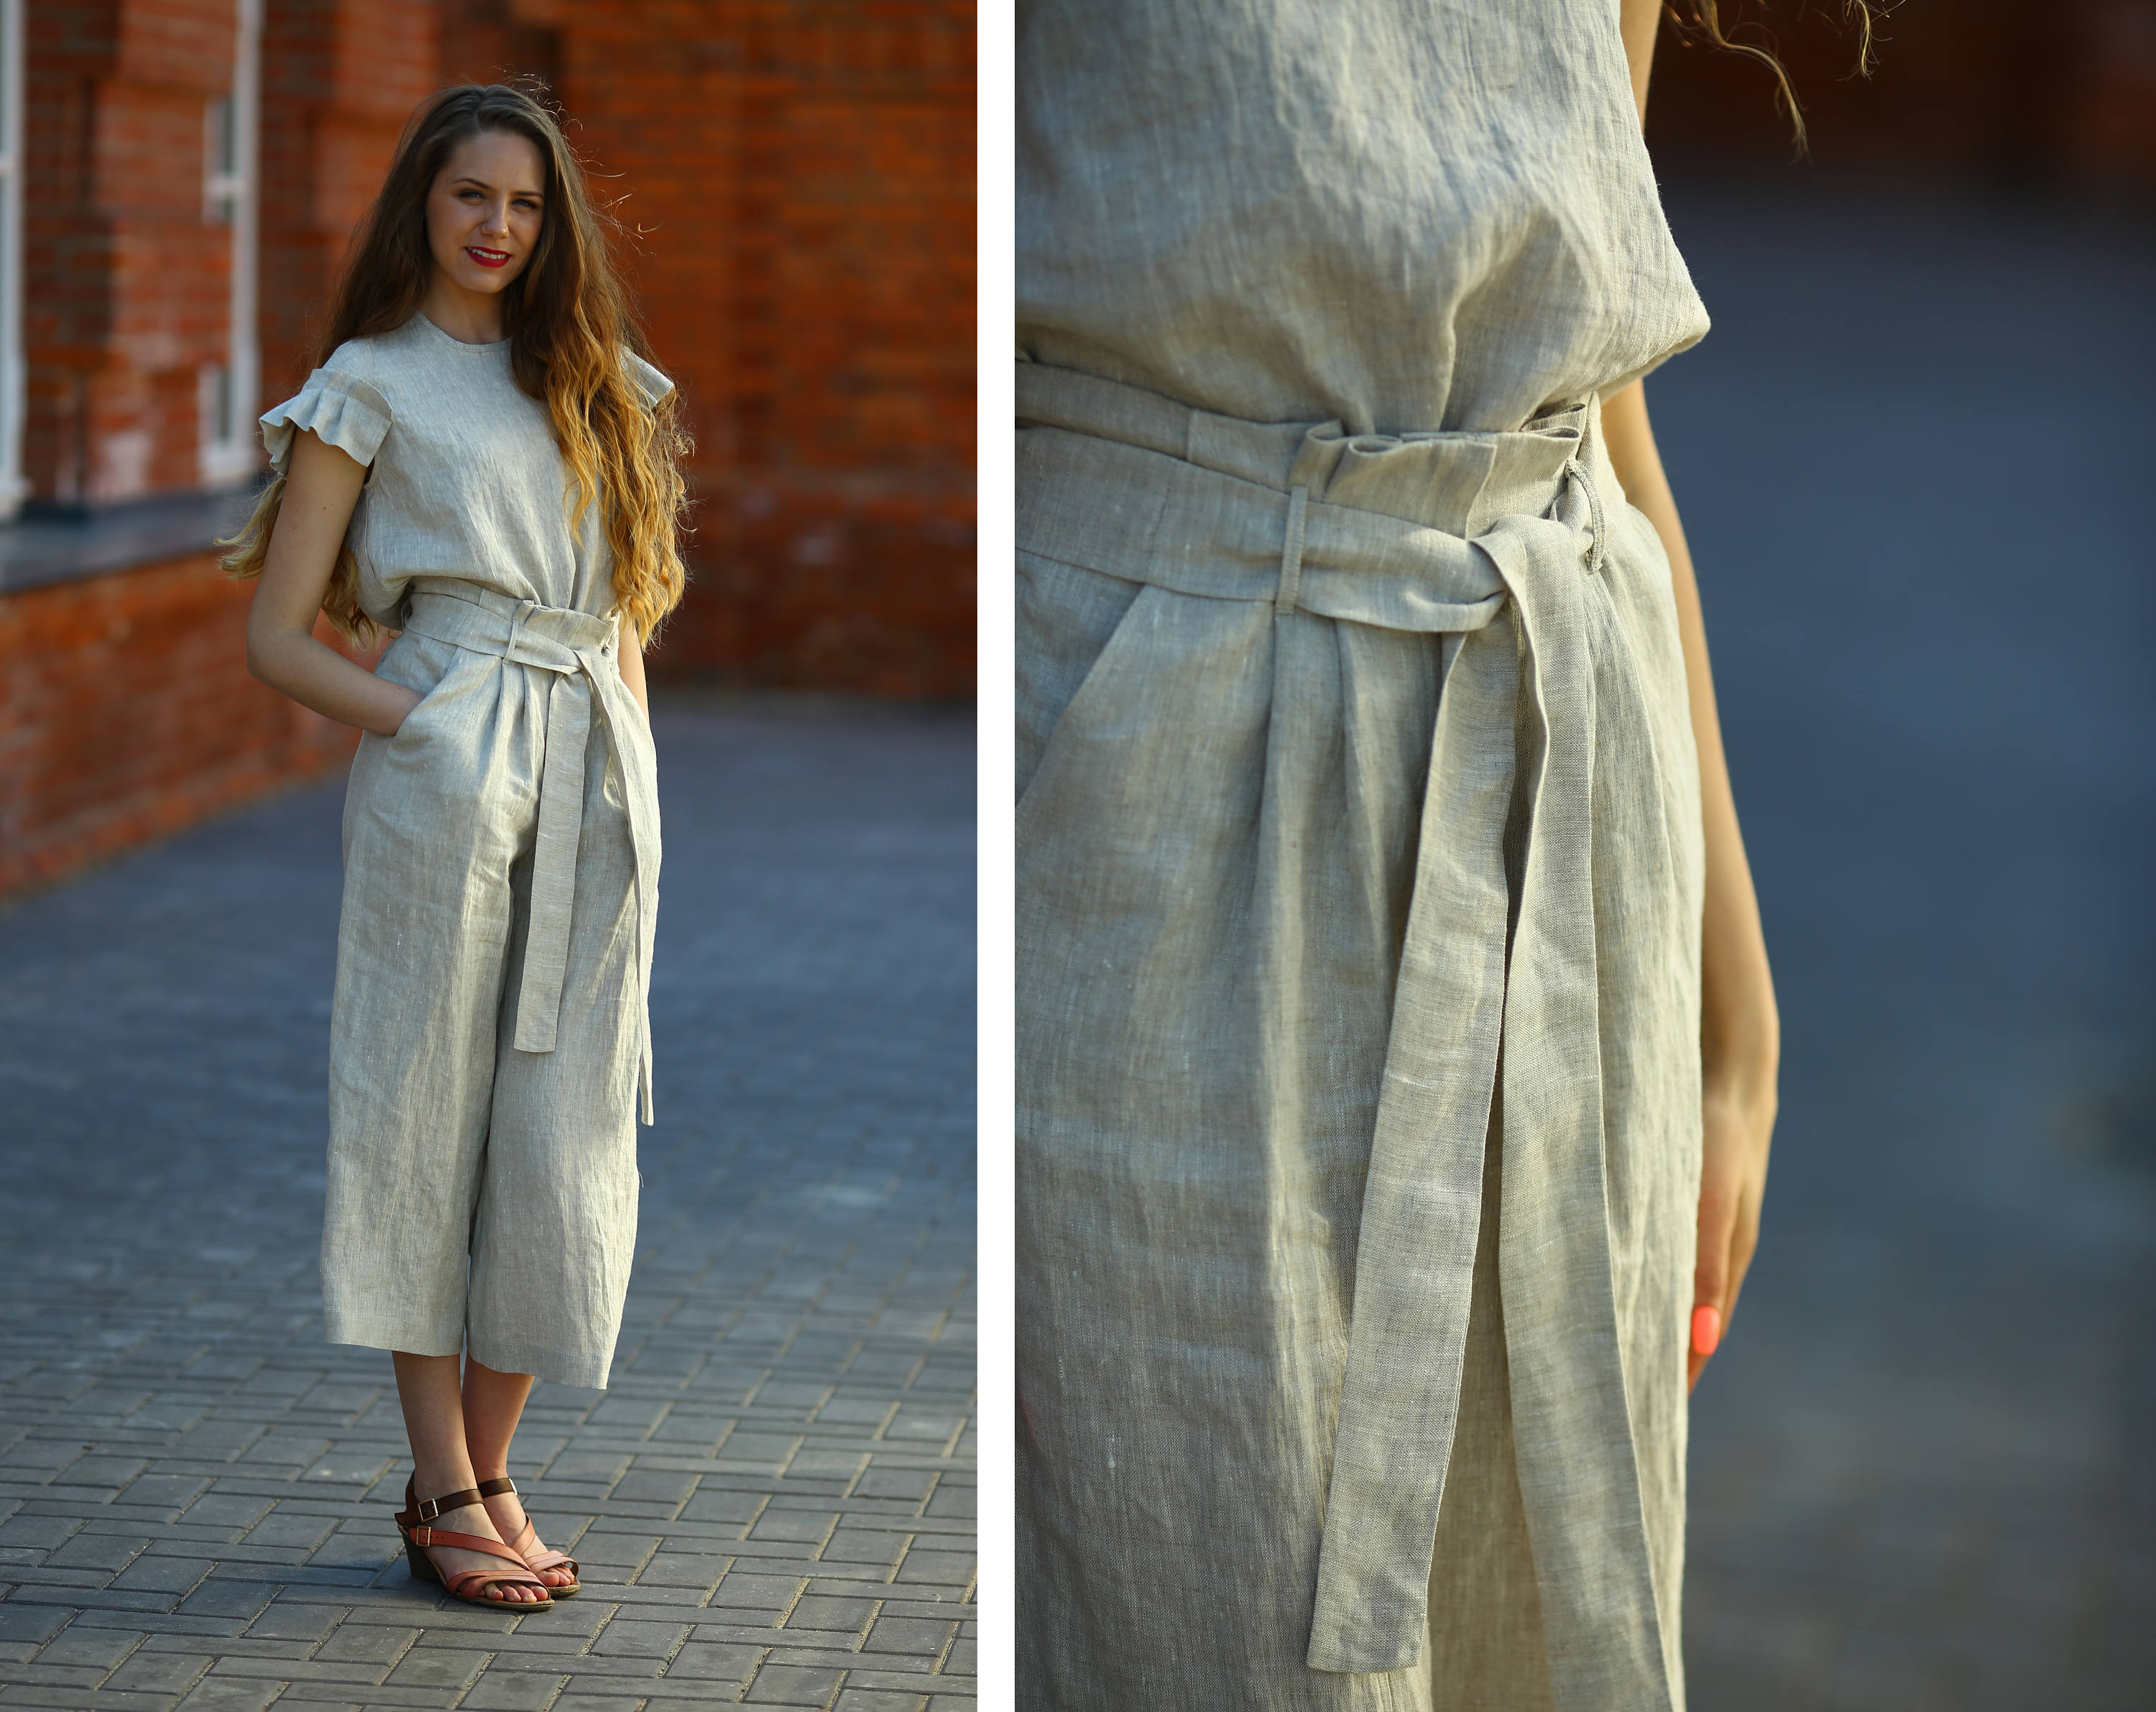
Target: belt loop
<point x="1290" y="576"/>
<point x="1600" y="551"/>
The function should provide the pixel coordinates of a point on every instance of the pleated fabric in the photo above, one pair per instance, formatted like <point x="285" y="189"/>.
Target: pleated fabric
<point x="489" y="1036"/>
<point x="1359" y="805"/>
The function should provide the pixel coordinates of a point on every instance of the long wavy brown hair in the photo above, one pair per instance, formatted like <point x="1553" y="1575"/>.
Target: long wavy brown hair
<point x="568" y="322"/>
<point x="1703" y="17"/>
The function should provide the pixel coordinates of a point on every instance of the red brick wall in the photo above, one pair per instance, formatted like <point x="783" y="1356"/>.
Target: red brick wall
<point x="127" y="712"/>
<point x="797" y="176"/>
<point x="125" y="282"/>
<point x="339" y="79"/>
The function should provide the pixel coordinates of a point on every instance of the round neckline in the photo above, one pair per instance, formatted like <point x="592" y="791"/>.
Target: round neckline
<point x="461" y="344"/>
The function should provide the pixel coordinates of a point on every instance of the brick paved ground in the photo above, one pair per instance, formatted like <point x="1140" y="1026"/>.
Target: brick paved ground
<point x="774" y="1501"/>
<point x="1914" y="461"/>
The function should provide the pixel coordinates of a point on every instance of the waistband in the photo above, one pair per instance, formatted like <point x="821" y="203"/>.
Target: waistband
<point x="579" y="650"/>
<point x="1376" y="529"/>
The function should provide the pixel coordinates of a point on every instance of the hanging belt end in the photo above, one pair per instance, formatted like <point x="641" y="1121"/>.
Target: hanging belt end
<point x="535" y="1027"/>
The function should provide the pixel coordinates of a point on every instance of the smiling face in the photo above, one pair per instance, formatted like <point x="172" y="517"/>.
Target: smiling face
<point x="485" y="210"/>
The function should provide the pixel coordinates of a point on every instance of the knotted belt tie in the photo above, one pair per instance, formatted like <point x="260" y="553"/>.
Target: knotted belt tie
<point x="1496" y="538"/>
<point x="578" y="648"/>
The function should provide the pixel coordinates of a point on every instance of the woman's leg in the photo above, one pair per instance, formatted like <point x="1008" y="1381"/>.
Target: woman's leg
<point x="493" y="1404"/>
<point x="442" y="1461"/>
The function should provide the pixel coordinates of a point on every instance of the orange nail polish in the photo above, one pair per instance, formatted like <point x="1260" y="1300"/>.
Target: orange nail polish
<point x="1706" y="1329"/>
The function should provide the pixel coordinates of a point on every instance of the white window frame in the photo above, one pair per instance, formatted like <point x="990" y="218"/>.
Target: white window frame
<point x="231" y="195"/>
<point x="13" y="489"/>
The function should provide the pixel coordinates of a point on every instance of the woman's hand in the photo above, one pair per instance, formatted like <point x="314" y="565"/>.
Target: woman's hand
<point x="1739" y="1124"/>
<point x="321" y="487"/>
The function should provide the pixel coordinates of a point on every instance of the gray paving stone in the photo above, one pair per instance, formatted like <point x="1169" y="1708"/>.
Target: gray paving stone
<point x="512" y="1691"/>
<point x="228" y="1694"/>
<point x="288" y="1528"/>
<point x="796" y="1527"/>
<point x="99" y="1649"/>
<point x="153" y="1574"/>
<point x="228" y="1598"/>
<point x="110" y="1552"/>
<point x="437" y="1667"/>
<point x="714" y="1662"/>
<point x="922" y="1636"/>
<point x="677" y="1569"/>
<point x="159" y="1672"/>
<point x="793" y="1685"/>
<point x="864" y="1550"/>
<point x="773" y="1593"/>
<point x="38" y="1533"/>
<point x="637" y="1638"/>
<point x="163" y="1492"/>
<point x="951" y="1568"/>
<point x="848" y="1616"/>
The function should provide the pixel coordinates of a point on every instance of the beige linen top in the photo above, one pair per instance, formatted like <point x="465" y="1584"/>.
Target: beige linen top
<point x="465" y="478"/>
<point x="1402" y="217"/>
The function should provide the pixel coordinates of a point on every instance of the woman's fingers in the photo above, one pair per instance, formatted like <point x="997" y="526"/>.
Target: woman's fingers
<point x="1721" y="1198"/>
<point x="1732" y="1180"/>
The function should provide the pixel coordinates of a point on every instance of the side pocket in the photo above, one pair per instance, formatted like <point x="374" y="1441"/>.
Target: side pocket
<point x="415" y="663"/>
<point x="1066" y="617"/>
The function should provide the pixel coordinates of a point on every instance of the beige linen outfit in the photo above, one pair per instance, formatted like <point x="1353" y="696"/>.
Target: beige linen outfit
<point x="490" y="1039"/>
<point x="1354" y="747"/>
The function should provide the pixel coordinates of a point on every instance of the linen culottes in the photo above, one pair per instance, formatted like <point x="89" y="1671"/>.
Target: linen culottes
<point x="488" y="1037"/>
<point x="1358" y="885"/>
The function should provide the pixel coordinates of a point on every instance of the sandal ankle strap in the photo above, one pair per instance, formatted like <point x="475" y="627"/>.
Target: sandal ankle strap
<point x="427" y="1508"/>
<point x="496" y="1488"/>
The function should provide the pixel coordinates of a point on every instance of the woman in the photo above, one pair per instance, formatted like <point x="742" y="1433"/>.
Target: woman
<point x="1397" y="1050"/>
<point x="484" y="465"/>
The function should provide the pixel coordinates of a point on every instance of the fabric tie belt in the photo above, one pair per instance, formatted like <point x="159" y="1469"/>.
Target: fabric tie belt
<point x="578" y="650"/>
<point x="1497" y="539"/>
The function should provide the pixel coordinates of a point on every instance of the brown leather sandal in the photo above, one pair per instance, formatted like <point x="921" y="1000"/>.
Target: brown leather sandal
<point x="527" y="1545"/>
<point x="413" y="1522"/>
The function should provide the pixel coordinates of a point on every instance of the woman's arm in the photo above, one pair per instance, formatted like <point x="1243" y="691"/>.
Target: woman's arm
<point x="1740" y="1030"/>
<point x="631" y="666"/>
<point x="320" y="489"/>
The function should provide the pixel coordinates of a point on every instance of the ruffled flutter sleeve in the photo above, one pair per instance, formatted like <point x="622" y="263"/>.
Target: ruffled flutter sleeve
<point x="340" y="408"/>
<point x="653" y="385"/>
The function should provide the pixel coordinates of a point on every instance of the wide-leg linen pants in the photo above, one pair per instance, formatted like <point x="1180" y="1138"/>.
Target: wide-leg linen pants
<point x="1358" y="883"/>
<point x="487" y="1053"/>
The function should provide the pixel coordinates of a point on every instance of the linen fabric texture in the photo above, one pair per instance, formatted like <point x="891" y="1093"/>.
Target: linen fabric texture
<point x="490" y="1047"/>
<point x="1359" y="868"/>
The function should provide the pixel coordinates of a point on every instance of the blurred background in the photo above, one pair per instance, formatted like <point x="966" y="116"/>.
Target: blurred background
<point x="1914" y="459"/>
<point x="178" y="179"/>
